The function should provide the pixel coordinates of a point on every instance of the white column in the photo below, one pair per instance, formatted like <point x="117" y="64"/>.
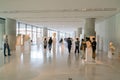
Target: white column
<point x="45" y="32"/>
<point x="58" y="35"/>
<point x="66" y="35"/>
<point x="74" y="34"/>
<point x="79" y="31"/>
<point x="89" y="28"/>
<point x="10" y="30"/>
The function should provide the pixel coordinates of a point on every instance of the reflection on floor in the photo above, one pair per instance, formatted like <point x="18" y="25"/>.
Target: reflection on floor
<point x="57" y="64"/>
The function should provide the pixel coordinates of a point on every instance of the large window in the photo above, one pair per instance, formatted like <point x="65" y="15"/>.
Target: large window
<point x="39" y="32"/>
<point x="17" y="28"/>
<point x="29" y="30"/>
<point x="62" y="35"/>
<point x="22" y="29"/>
<point x="51" y="33"/>
<point x="33" y="31"/>
<point x="34" y="34"/>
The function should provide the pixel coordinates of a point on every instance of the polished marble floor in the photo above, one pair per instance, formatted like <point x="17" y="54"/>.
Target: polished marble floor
<point x="57" y="64"/>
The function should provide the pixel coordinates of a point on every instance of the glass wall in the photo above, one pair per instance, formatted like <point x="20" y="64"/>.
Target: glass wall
<point x="34" y="36"/>
<point x="62" y="35"/>
<point x="51" y="33"/>
<point x="34" y="32"/>
<point x="22" y="29"/>
<point x="29" y="31"/>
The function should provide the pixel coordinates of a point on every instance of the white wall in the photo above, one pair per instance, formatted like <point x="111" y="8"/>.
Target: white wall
<point x="118" y="30"/>
<point x="108" y="30"/>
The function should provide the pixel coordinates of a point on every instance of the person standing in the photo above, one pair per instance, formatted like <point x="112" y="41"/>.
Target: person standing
<point x="69" y="42"/>
<point x="77" y="45"/>
<point x="45" y="43"/>
<point x="50" y="43"/>
<point x="94" y="43"/>
<point x="6" y="46"/>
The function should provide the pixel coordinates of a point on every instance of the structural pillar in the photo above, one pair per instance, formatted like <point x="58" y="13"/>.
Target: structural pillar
<point x="2" y="32"/>
<point x="45" y="32"/>
<point x="10" y="30"/>
<point x="89" y="28"/>
<point x="79" y="31"/>
<point x="74" y="33"/>
<point x="58" y="35"/>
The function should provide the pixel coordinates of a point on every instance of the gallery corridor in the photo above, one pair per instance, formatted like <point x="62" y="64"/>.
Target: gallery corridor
<point x="37" y="64"/>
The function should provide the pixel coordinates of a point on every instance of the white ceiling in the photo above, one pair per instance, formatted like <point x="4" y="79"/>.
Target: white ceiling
<point x="65" y="15"/>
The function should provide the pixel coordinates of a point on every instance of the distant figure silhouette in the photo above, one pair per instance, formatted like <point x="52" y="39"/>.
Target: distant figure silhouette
<point x="50" y="43"/>
<point x="6" y="45"/>
<point x="94" y="48"/>
<point x="45" y="43"/>
<point x="77" y="42"/>
<point x="69" y="42"/>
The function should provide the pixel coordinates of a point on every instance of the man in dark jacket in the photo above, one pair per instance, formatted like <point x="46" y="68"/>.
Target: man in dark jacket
<point x="94" y="48"/>
<point x="69" y="44"/>
<point x="77" y="42"/>
<point x="50" y="43"/>
<point x="6" y="46"/>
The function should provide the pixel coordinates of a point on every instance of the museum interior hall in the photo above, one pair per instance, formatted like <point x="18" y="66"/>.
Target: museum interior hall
<point x="85" y="37"/>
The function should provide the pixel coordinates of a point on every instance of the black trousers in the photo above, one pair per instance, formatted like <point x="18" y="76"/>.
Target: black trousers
<point x="69" y="48"/>
<point x="76" y="49"/>
<point x="6" y="46"/>
<point x="50" y="46"/>
<point x="45" y="46"/>
<point x="94" y="54"/>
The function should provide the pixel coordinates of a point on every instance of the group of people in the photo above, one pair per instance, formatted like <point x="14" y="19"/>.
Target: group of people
<point x="88" y="48"/>
<point x="49" y="42"/>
